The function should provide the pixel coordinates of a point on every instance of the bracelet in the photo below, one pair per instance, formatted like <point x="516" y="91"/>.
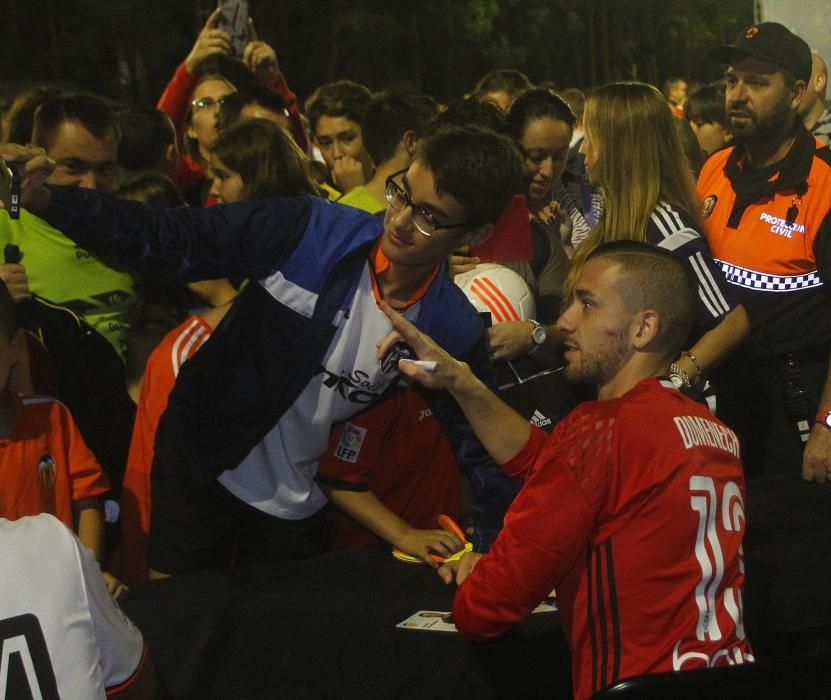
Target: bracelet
<point x="694" y="360"/>
<point x="679" y="378"/>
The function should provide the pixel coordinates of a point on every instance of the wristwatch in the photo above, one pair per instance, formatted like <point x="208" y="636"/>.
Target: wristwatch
<point x="824" y="418"/>
<point x="679" y="378"/>
<point x="538" y="335"/>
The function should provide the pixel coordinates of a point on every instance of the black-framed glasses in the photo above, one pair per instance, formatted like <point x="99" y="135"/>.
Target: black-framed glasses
<point x="422" y="219"/>
<point x="206" y="102"/>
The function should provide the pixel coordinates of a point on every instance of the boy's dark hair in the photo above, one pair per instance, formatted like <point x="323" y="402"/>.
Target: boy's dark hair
<point x="343" y="98"/>
<point x="462" y="112"/>
<point x="8" y="312"/>
<point x="503" y="80"/>
<point x="537" y="103"/>
<point x="93" y="113"/>
<point x="481" y="169"/>
<point x="146" y="134"/>
<point x="389" y="115"/>
<point x="231" y="110"/>
<point x="706" y="106"/>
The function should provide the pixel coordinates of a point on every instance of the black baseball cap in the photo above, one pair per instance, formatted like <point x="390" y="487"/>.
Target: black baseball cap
<point x="771" y="42"/>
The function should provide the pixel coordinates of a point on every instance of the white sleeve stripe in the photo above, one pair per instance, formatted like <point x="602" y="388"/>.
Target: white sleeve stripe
<point x="175" y="352"/>
<point x="198" y="336"/>
<point x="707" y="288"/>
<point x="679" y="239"/>
<point x="716" y="290"/>
<point x="660" y="224"/>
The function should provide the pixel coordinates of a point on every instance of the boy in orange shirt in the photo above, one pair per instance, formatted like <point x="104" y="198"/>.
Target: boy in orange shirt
<point x="45" y="466"/>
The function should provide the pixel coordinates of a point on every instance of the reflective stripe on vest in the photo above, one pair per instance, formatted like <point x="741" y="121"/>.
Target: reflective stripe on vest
<point x="761" y="281"/>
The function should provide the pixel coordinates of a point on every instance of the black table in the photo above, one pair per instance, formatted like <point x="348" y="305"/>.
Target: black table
<point x="325" y="627"/>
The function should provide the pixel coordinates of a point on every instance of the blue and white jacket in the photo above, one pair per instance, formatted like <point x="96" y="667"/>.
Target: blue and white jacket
<point x="306" y="256"/>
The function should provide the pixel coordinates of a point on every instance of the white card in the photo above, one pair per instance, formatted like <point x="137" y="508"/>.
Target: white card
<point x="431" y="620"/>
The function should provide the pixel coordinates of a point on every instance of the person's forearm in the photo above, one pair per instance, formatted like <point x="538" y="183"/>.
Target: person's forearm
<point x="716" y="344"/>
<point x="365" y="508"/>
<point x="90" y="529"/>
<point x="500" y="429"/>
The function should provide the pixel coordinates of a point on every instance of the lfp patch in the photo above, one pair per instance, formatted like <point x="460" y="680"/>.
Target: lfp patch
<point x="350" y="443"/>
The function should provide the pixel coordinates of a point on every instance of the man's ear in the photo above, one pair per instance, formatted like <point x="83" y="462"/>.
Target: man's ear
<point x="409" y="141"/>
<point x="478" y="235"/>
<point x="645" y="328"/>
<point x="798" y="92"/>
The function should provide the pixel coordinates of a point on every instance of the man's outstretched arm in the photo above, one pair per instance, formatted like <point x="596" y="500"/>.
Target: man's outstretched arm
<point x="502" y="431"/>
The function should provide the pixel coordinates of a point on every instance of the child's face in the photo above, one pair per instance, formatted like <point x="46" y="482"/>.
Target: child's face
<point x="226" y="185"/>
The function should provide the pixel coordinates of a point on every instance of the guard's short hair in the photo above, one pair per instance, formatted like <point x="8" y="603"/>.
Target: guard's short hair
<point x="343" y="98"/>
<point x="8" y="312"/>
<point x="389" y="116"/>
<point x="146" y="134"/>
<point x="654" y="278"/>
<point x="93" y="113"/>
<point x="481" y="169"/>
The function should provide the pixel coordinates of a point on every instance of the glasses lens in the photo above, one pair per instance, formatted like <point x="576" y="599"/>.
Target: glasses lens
<point x="423" y="222"/>
<point x="396" y="196"/>
<point x="205" y="102"/>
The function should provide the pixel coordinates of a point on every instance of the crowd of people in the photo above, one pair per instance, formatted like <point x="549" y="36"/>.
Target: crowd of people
<point x="235" y="331"/>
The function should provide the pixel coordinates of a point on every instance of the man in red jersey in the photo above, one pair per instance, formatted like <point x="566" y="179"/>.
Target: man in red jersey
<point x="633" y="508"/>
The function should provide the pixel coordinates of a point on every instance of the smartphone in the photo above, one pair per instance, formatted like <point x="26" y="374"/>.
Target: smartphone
<point x="234" y="21"/>
<point x="10" y="188"/>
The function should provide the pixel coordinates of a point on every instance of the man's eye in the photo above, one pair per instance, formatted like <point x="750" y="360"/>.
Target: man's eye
<point x="348" y="138"/>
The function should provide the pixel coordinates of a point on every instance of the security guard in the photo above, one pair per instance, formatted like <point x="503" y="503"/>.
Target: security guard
<point x="766" y="206"/>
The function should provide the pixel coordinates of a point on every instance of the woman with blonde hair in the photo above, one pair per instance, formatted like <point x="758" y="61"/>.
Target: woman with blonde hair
<point x="634" y="155"/>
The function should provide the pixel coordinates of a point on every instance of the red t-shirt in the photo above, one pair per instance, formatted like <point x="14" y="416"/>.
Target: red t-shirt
<point x="159" y="377"/>
<point x="45" y="465"/>
<point x="633" y="509"/>
<point x="395" y="449"/>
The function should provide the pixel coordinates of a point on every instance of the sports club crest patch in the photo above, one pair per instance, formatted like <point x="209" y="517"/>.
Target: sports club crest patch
<point x="708" y="205"/>
<point x="350" y="443"/>
<point x="47" y="470"/>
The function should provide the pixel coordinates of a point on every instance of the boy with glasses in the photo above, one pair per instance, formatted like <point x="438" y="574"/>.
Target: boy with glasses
<point x="251" y="413"/>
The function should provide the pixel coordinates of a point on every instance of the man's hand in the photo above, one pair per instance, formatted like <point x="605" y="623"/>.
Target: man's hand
<point x="260" y="57"/>
<point x="449" y="372"/>
<point x="35" y="168"/>
<point x="510" y="339"/>
<point x="816" y="459"/>
<point x="210" y="42"/>
<point x="16" y="281"/>
<point x="420" y="543"/>
<point x="459" y="569"/>
<point x="347" y="173"/>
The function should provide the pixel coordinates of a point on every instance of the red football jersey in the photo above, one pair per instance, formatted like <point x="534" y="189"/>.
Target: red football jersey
<point x="45" y="465"/>
<point x="633" y="509"/>
<point x="159" y="377"/>
<point x="395" y="449"/>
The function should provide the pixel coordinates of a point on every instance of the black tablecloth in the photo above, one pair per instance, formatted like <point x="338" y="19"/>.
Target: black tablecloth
<point x="325" y="627"/>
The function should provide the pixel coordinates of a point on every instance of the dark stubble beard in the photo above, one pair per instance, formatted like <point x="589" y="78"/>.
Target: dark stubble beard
<point x="773" y="125"/>
<point x="599" y="367"/>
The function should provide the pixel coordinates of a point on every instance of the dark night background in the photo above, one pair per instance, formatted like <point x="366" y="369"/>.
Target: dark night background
<point x="127" y="49"/>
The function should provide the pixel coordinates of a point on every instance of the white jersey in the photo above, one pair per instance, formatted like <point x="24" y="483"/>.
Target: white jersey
<point x="277" y="476"/>
<point x="61" y="634"/>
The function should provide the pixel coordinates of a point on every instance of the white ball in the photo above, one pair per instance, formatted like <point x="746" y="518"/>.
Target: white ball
<point x="498" y="290"/>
